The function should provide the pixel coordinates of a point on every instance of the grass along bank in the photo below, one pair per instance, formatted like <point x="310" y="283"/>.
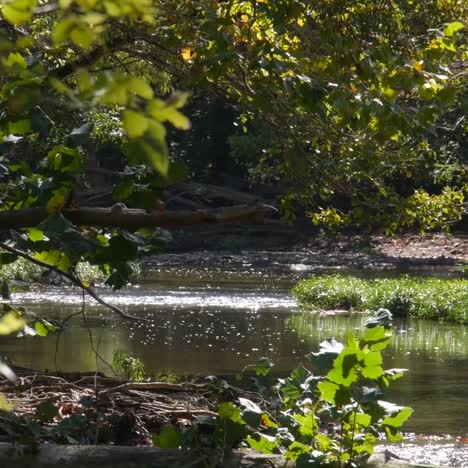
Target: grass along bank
<point x="427" y="298"/>
<point x="22" y="270"/>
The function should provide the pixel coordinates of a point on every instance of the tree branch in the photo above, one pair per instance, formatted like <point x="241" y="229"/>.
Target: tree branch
<point x="121" y="217"/>
<point x="71" y="278"/>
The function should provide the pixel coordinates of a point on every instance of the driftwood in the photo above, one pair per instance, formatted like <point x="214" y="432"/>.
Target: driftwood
<point x="120" y="216"/>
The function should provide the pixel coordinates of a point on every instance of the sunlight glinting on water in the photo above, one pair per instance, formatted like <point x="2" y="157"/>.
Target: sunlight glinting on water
<point x="167" y="298"/>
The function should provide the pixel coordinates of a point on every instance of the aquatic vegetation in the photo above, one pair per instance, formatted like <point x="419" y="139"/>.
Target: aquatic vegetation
<point x="422" y="297"/>
<point x="128" y="367"/>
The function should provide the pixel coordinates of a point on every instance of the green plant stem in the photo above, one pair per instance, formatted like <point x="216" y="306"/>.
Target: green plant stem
<point x="352" y="435"/>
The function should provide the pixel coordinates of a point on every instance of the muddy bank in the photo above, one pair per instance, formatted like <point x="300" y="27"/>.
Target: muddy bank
<point x="436" y="254"/>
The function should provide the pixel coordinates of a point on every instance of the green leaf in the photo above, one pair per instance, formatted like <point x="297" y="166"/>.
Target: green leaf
<point x="374" y="334"/>
<point x="398" y="419"/>
<point x="155" y="148"/>
<point x="135" y="124"/>
<point x="328" y="351"/>
<point x="296" y="449"/>
<point x="308" y="425"/>
<point x="452" y="28"/>
<point x="263" y="443"/>
<point x="393" y="434"/>
<point x="169" y="438"/>
<point x="178" y="99"/>
<point x="362" y="419"/>
<point x="18" y="11"/>
<point x="55" y="258"/>
<point x="83" y="36"/>
<point x="35" y="235"/>
<point x="11" y="322"/>
<point x="292" y="386"/>
<point x="344" y="368"/>
<point x="229" y="411"/>
<point x="16" y="58"/>
<point x="140" y="87"/>
<point x="328" y="390"/>
<point x="372" y="365"/>
<point x="19" y="127"/>
<point x="123" y="191"/>
<point x="251" y="414"/>
<point x="263" y="366"/>
<point x="43" y="327"/>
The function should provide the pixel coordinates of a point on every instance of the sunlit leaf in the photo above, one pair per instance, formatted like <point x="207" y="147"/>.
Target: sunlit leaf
<point x="452" y="28"/>
<point x="135" y="124"/>
<point x="11" y="322"/>
<point x="18" y="11"/>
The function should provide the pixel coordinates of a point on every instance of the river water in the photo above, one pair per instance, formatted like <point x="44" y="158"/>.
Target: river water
<point x="220" y="329"/>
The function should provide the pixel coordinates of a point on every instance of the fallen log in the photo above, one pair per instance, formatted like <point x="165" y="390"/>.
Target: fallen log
<point x="128" y="218"/>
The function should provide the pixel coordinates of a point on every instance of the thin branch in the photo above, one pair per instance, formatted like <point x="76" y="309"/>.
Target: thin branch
<point x="71" y="278"/>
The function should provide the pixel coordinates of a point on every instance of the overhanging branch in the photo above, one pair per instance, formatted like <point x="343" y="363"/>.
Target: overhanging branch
<point x="71" y="278"/>
<point x="119" y="216"/>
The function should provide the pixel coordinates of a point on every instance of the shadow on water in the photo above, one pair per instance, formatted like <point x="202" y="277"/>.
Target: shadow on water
<point x="220" y="331"/>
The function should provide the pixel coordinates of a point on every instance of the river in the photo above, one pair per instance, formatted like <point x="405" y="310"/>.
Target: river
<point x="221" y="328"/>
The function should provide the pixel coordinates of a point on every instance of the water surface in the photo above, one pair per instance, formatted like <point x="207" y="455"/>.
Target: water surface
<point x="221" y="330"/>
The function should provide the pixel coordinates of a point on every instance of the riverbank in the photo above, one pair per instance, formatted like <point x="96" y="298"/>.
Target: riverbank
<point x="433" y="254"/>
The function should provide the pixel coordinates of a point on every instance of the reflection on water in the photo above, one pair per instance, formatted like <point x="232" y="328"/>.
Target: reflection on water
<point x="221" y="331"/>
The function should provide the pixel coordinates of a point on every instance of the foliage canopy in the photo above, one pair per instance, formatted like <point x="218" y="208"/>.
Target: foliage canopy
<point x="359" y="104"/>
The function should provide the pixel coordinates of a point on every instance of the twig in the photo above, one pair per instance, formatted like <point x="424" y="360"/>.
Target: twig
<point x="71" y="278"/>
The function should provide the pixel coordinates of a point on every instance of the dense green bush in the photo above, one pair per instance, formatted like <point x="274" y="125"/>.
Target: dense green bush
<point x="430" y="298"/>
